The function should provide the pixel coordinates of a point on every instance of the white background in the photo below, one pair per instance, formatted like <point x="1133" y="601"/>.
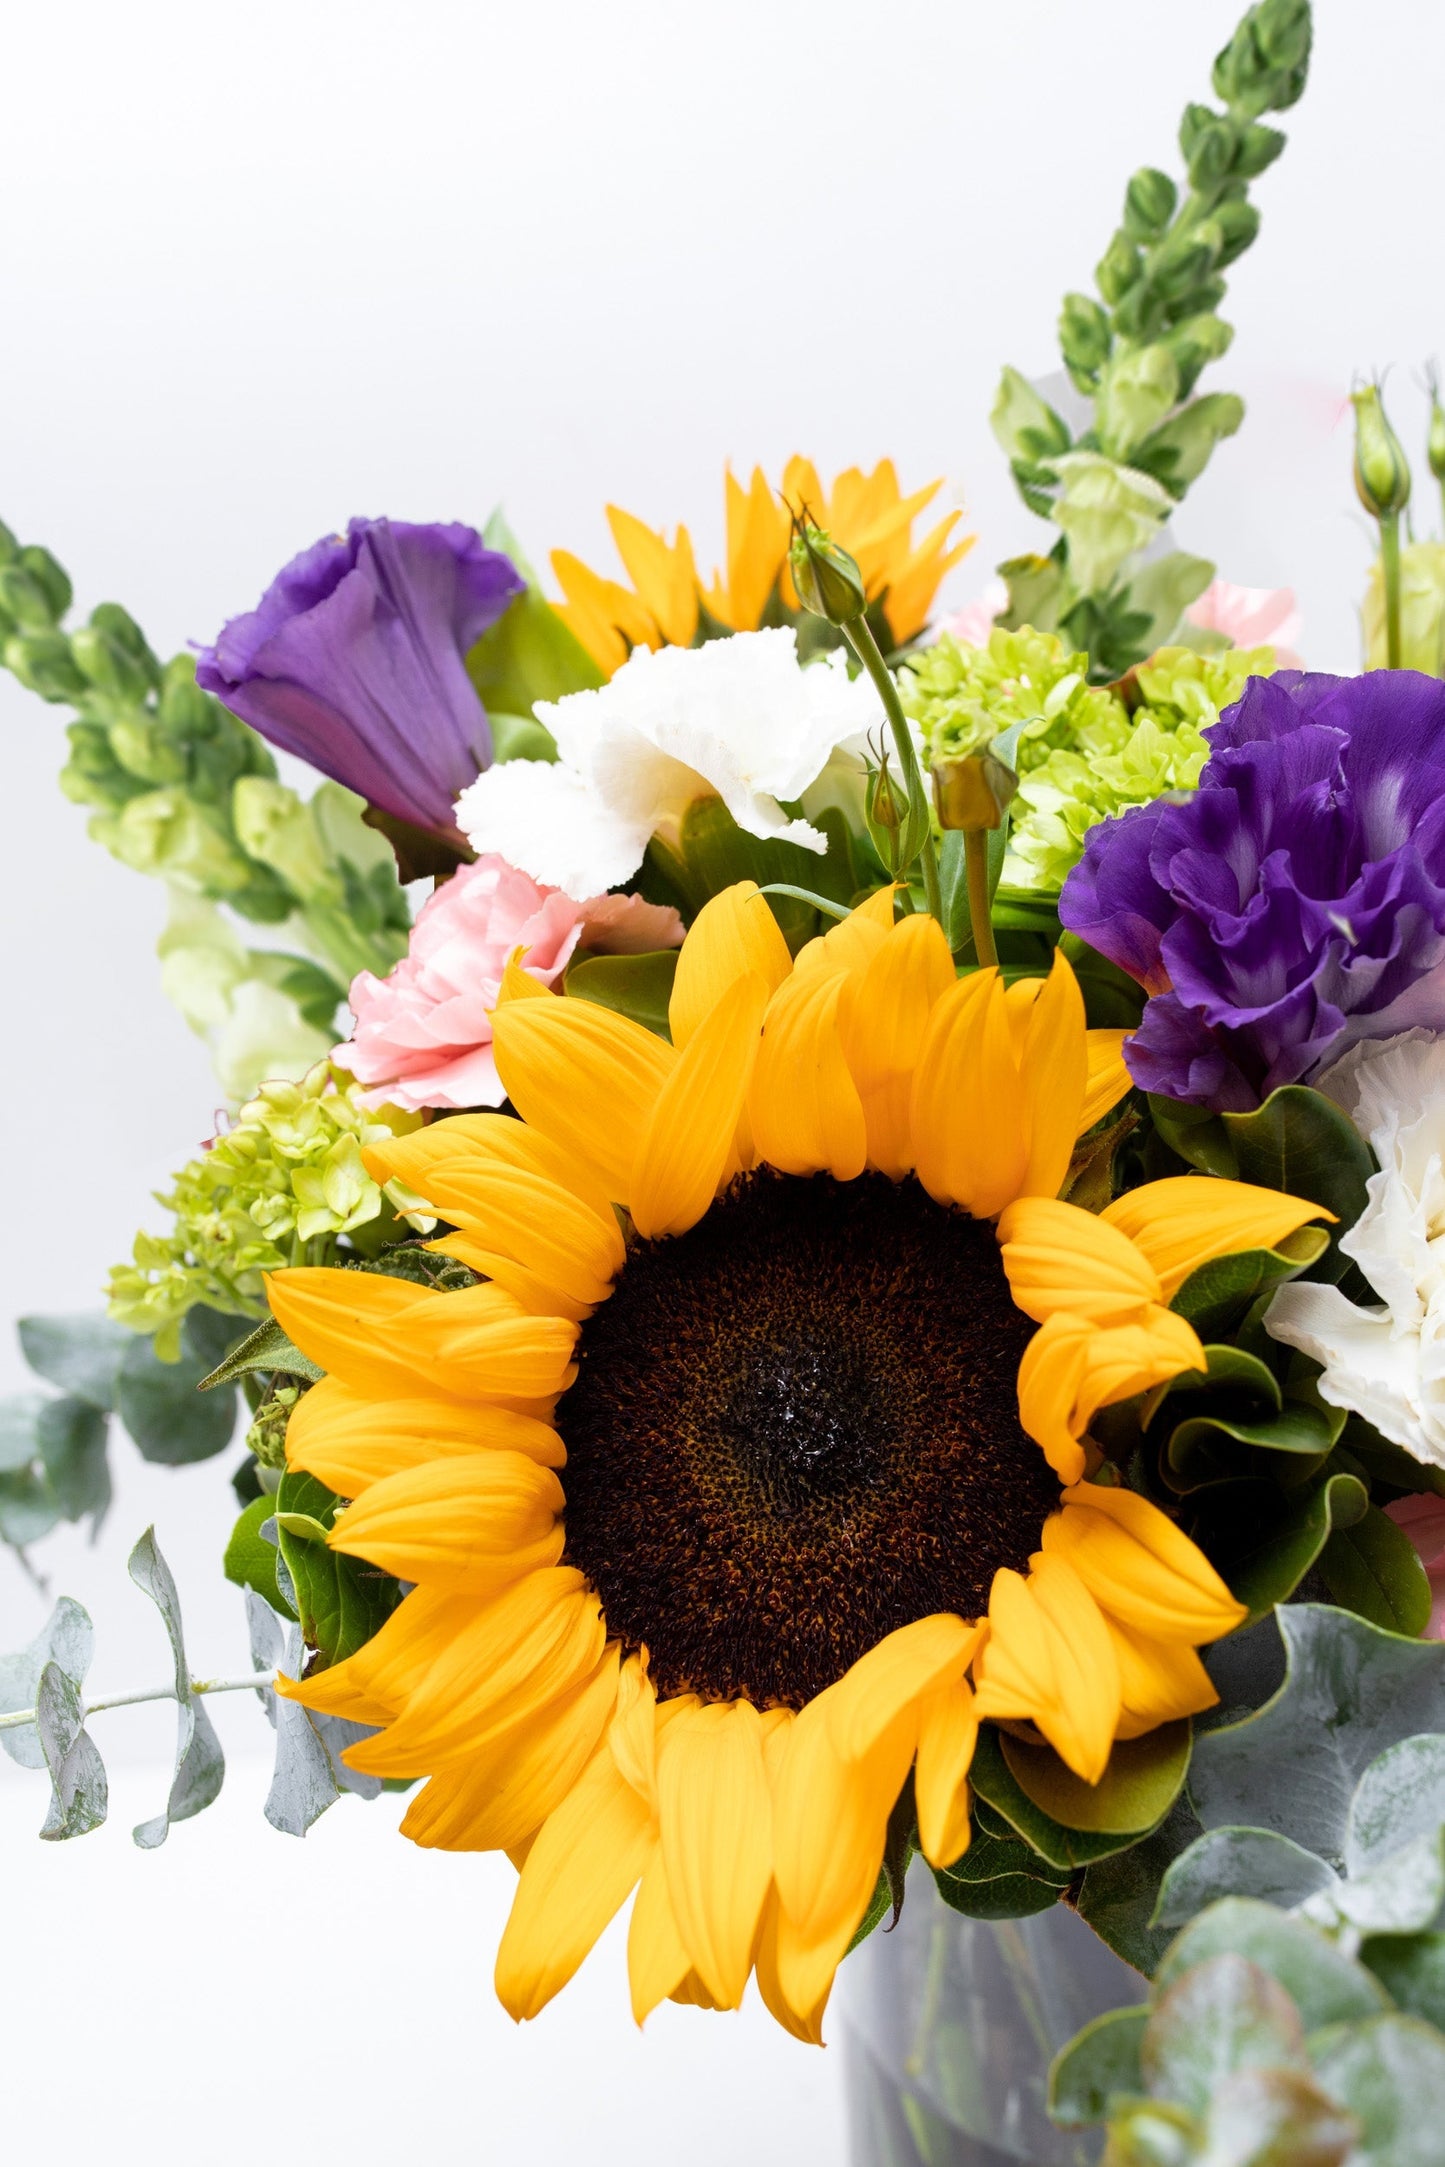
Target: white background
<point x="268" y="264"/>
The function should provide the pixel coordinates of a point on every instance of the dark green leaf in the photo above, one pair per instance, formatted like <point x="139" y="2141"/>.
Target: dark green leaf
<point x="1140" y="1784"/>
<point x="211" y="1334"/>
<point x="1411" y="1968"/>
<point x="250" y="1561"/>
<point x="1374" y="1569"/>
<point x="1112" y="999"/>
<point x="82" y="1354"/>
<point x="1098" y="2064"/>
<point x="1271" y="1560"/>
<point x="167" y="1415"/>
<point x="712" y="852"/>
<point x="1006" y="1896"/>
<point x="1216" y="1297"/>
<point x="635" y="986"/>
<point x="1318" y="1977"/>
<point x="267" y="1349"/>
<point x="1119" y="1893"/>
<point x="72" y="1438"/>
<point x="993" y="1780"/>
<point x="1198" y="1449"/>
<point x="342" y="1601"/>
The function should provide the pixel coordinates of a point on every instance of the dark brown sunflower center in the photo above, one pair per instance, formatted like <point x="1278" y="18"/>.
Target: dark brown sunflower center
<point x="795" y="1429"/>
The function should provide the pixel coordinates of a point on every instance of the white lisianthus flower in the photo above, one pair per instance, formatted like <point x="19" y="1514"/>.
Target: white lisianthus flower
<point x="1387" y="1363"/>
<point x="735" y="718"/>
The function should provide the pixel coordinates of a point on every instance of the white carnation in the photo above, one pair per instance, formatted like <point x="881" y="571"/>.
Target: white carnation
<point x="735" y="718"/>
<point x="1387" y="1363"/>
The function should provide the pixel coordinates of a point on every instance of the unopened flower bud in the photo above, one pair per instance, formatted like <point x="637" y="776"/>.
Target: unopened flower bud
<point x="1238" y="221"/>
<point x="897" y="819"/>
<point x="1257" y="148"/>
<point x="9" y="547"/>
<point x="275" y="826"/>
<point x="828" y="580"/>
<point x="1117" y="269"/>
<point x="52" y="578"/>
<point x="147" y="751"/>
<point x="1382" y="474"/>
<point x="1188" y="256"/>
<point x="1207" y="142"/>
<point x="42" y="662"/>
<point x="973" y="792"/>
<point x="1149" y="202"/>
<point x="1084" y="337"/>
<point x="109" y="667"/>
<point x="1263" y="66"/>
<point x="24" y="601"/>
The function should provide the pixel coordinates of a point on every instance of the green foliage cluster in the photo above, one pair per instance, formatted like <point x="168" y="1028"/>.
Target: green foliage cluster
<point x="1135" y="351"/>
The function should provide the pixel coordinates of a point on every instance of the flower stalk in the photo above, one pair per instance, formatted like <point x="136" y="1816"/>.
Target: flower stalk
<point x="1382" y="483"/>
<point x="258" y="1680"/>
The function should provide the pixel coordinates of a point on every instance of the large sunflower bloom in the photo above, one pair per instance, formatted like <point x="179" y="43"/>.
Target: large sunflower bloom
<point x="867" y="514"/>
<point x="744" y="1483"/>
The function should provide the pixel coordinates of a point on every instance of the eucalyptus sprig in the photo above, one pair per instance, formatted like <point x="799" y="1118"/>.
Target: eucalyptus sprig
<point x="1135" y="350"/>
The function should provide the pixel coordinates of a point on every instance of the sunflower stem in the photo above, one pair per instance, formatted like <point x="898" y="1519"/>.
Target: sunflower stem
<point x="975" y="860"/>
<point x="866" y="648"/>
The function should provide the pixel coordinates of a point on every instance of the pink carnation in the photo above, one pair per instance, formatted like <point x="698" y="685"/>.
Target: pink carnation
<point x="1423" y="1519"/>
<point x="1251" y="617"/>
<point x="423" y="1035"/>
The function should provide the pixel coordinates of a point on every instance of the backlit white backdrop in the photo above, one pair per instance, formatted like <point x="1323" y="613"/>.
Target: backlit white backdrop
<point x="264" y="265"/>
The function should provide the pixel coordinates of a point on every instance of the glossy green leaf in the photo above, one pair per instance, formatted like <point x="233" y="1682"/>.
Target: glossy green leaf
<point x="1411" y="1968"/>
<point x="1239" y="1862"/>
<point x="267" y="1349"/>
<point x="1216" y="1297"/>
<point x="519" y="737"/>
<point x="635" y="986"/>
<point x="1200" y="1449"/>
<point x="1143" y="1779"/>
<point x="1350" y="1691"/>
<point x="528" y="654"/>
<point x="1230" y="1369"/>
<point x="82" y="1354"/>
<point x="250" y="1560"/>
<point x="1325" y="1986"/>
<point x="1374" y="1569"/>
<point x="1098" y="2065"/>
<point x="1390" y="2073"/>
<point x="712" y="852"/>
<point x="1119" y="1893"/>
<point x="1222" y="2015"/>
<point x="993" y="1780"/>
<point x="342" y="1601"/>
<point x="1005" y="1896"/>
<point x="1277" y="1551"/>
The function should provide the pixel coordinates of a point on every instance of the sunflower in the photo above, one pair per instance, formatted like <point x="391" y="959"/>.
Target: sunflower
<point x="743" y="1483"/>
<point x="866" y="513"/>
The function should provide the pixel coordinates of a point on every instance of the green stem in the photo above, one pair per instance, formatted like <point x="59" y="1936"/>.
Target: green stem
<point x="1390" y="558"/>
<point x="865" y="647"/>
<point x="975" y="860"/>
<point x="253" y="1684"/>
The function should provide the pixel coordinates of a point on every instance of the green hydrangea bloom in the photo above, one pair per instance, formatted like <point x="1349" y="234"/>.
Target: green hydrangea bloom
<point x="282" y="1186"/>
<point x="962" y="697"/>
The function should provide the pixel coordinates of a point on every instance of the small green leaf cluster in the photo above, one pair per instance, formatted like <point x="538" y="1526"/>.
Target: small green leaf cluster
<point x="1136" y="353"/>
<point x="281" y="1186"/>
<point x="1260" y="2045"/>
<point x="1084" y="752"/>
<point x="54" y="1462"/>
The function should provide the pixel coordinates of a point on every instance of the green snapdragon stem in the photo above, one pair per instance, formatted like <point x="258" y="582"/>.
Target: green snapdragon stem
<point x="1390" y="559"/>
<point x="865" y="647"/>
<point x="975" y="861"/>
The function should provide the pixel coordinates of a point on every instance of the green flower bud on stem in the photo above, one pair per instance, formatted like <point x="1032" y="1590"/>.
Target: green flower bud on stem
<point x="1118" y="269"/>
<point x="1435" y="441"/>
<point x="112" y="670"/>
<point x="828" y="581"/>
<point x="973" y="794"/>
<point x="1149" y="202"/>
<point x="1085" y="339"/>
<point x="1382" y="483"/>
<point x="23" y="599"/>
<point x="42" y="662"/>
<point x="51" y="578"/>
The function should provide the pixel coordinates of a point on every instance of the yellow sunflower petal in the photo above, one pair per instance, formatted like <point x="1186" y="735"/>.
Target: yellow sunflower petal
<point x="968" y="1114"/>
<point x="532" y="1645"/>
<point x="715" y="1822"/>
<point x="1108" y="1079"/>
<point x="633" y="1736"/>
<point x="537" y="1221"/>
<point x="805" y="2024"/>
<point x="1161" y="1680"/>
<point x="506" y="1790"/>
<point x="830" y="1819"/>
<point x="586" y="1860"/>
<point x="734" y="933"/>
<point x="1054" y="1074"/>
<point x="1139" y="1566"/>
<point x="947" y="1735"/>
<point x="340" y="1319"/>
<point x="1184" y="1221"/>
<point x="468" y="1146"/>
<point x="688" y="1139"/>
<point x="375" y="1684"/>
<point x="657" y="1958"/>
<point x="1049" y="1659"/>
<point x="349" y="1439"/>
<point x="603" y="614"/>
<point x="665" y="576"/>
<point x="804" y="1106"/>
<point x="481" y="1340"/>
<point x="584" y="1077"/>
<point x="884" y="1028"/>
<point x="472" y="1524"/>
<point x="902" y="1668"/>
<point x="1059" y="1257"/>
<point x="538" y="1296"/>
<point x="1073" y="1366"/>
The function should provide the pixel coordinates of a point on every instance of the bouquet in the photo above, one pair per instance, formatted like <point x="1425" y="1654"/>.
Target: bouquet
<point x="860" y="1280"/>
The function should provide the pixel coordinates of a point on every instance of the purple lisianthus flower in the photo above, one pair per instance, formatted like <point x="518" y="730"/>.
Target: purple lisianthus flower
<point x="1292" y="905"/>
<point x="354" y="659"/>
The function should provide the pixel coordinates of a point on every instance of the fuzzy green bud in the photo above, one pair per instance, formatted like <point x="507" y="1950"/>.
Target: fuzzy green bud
<point x="24" y="600"/>
<point x="42" y="661"/>
<point x="184" y="708"/>
<point x="1382" y="473"/>
<point x="974" y="792"/>
<point x="275" y="826"/>
<point x="165" y="832"/>
<point x="92" y="776"/>
<point x="1194" y="342"/>
<point x="9" y="547"/>
<point x="1238" y="221"/>
<point x="52" y="579"/>
<point x="1187" y="256"/>
<point x="1257" y="149"/>
<point x="110" y="668"/>
<point x="897" y="819"/>
<point x="1084" y="338"/>
<point x="147" y="751"/>
<point x="1264" y="65"/>
<point x="828" y="580"/>
<point x="1149" y="202"/>
<point x="1117" y="269"/>
<point x="1207" y="143"/>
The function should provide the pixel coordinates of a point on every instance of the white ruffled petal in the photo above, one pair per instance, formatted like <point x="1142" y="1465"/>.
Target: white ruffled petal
<point x="545" y="818"/>
<point x="1366" y="1367"/>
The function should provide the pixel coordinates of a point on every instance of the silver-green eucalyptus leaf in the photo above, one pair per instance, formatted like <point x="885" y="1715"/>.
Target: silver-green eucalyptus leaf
<point x="200" y="1764"/>
<point x="1400" y="1796"/>
<point x="77" y="1773"/>
<point x="81" y="1354"/>
<point x="310" y="1774"/>
<point x="1223" y="2015"/>
<point x="66" y="1639"/>
<point x="1401" y="1894"/>
<point x="1239" y="1862"/>
<point x="1390" y="2074"/>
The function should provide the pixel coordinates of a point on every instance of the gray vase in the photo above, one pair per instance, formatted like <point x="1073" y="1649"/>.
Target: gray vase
<point x="948" y="2026"/>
